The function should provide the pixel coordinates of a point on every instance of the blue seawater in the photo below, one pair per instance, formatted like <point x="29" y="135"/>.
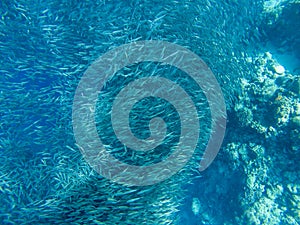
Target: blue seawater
<point x="251" y="47"/>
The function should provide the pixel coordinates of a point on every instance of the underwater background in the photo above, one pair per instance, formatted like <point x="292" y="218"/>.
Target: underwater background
<point x="253" y="49"/>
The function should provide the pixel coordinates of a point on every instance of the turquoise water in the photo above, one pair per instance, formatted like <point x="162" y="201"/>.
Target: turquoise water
<point x="251" y="47"/>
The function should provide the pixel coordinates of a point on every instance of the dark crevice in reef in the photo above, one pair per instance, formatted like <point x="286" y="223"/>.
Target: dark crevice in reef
<point x="234" y="131"/>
